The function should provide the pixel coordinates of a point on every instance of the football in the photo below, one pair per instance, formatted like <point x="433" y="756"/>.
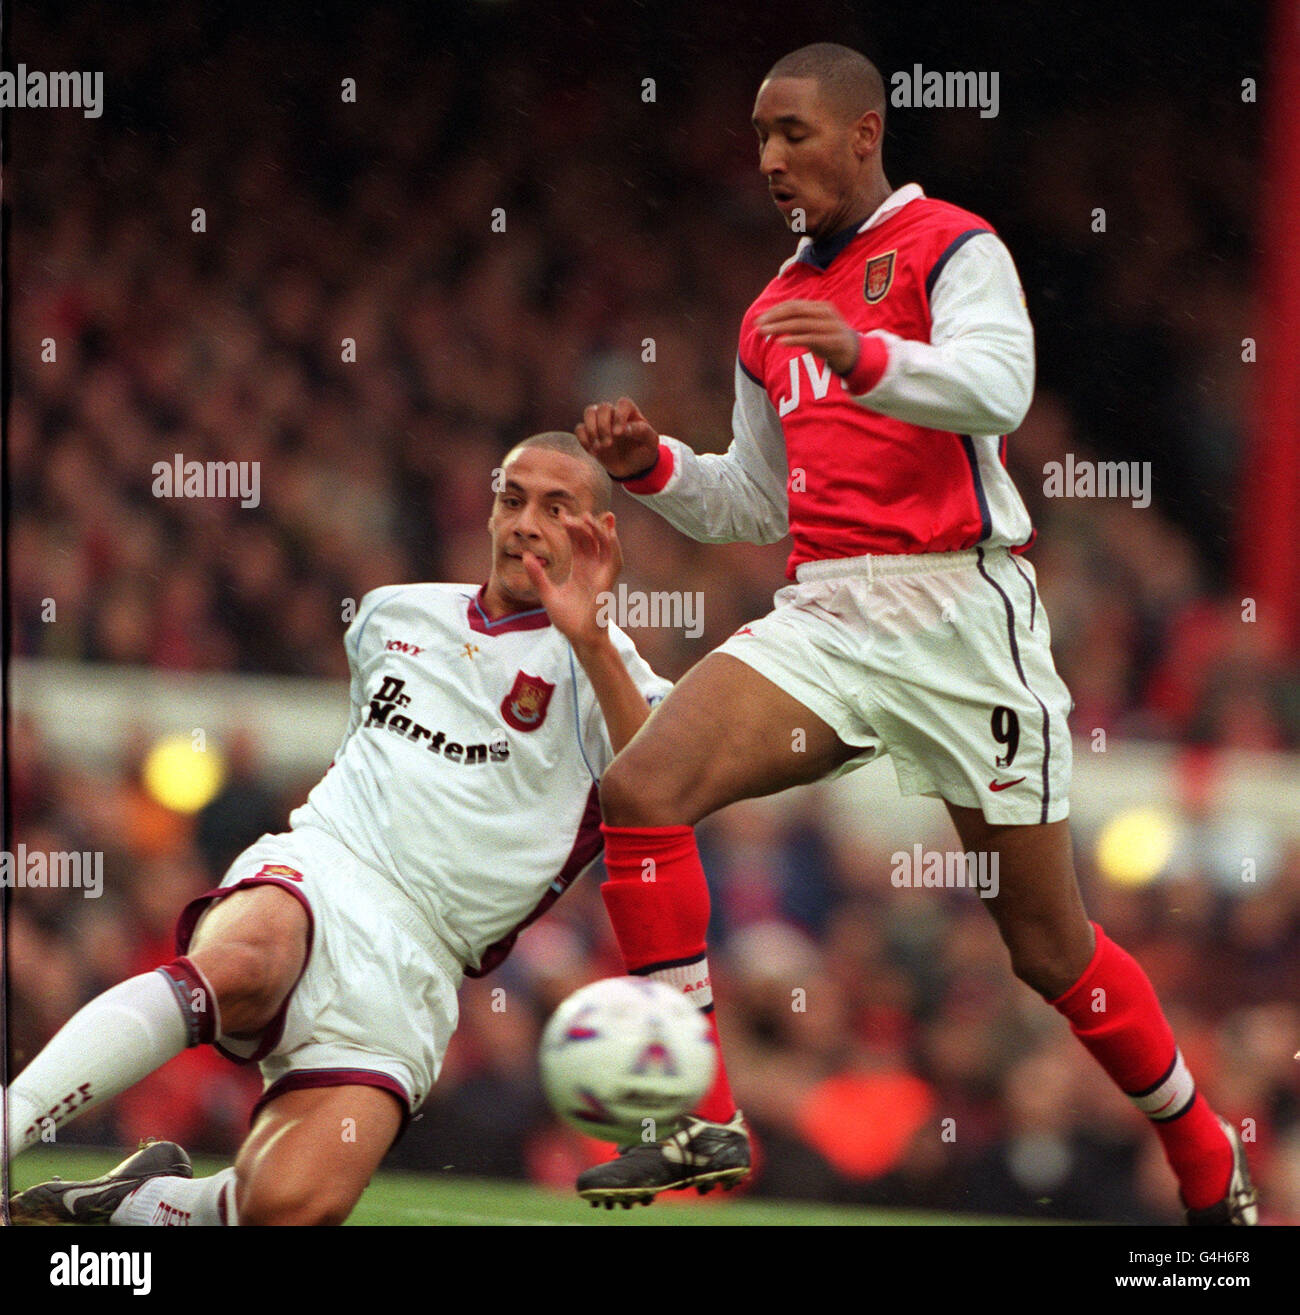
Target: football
<point x="622" y="1058"/>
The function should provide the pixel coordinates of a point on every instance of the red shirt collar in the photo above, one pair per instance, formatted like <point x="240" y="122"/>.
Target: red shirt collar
<point x="534" y="618"/>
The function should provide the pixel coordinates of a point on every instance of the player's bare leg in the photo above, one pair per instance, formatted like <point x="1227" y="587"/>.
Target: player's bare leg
<point x="306" y="1161"/>
<point x="251" y="946"/>
<point x="1110" y="1006"/>
<point x="312" y="1152"/>
<point x="245" y="958"/>
<point x="1038" y="908"/>
<point x="759" y="740"/>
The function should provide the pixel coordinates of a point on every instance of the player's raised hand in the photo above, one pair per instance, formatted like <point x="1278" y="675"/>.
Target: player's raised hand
<point x="816" y="325"/>
<point x="619" y="437"/>
<point x="574" y="605"/>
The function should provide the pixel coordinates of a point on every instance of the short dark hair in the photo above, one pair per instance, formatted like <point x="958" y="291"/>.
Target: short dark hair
<point x="848" y="80"/>
<point x="559" y="440"/>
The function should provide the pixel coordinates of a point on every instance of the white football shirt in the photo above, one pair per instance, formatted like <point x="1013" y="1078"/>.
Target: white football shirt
<point x="468" y="773"/>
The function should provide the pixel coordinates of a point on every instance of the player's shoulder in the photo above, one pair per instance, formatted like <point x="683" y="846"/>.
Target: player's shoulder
<point x="395" y="603"/>
<point x="773" y="290"/>
<point x="417" y="594"/>
<point x="751" y="342"/>
<point x="928" y="233"/>
<point x="929" y="214"/>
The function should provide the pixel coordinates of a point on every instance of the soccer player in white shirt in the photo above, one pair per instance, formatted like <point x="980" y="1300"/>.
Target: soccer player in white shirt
<point x="461" y="802"/>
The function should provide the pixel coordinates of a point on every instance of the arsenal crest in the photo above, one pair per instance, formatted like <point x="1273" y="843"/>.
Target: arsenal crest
<point x="879" y="277"/>
<point x="525" y="706"/>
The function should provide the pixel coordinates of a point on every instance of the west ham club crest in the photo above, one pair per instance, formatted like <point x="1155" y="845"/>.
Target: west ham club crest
<point x="525" y="706"/>
<point x="278" y="870"/>
<point x="879" y="277"/>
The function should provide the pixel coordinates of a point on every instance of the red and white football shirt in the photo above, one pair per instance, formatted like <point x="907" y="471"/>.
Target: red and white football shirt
<point x="911" y="463"/>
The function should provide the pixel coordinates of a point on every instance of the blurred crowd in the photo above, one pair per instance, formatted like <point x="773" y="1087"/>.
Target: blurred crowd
<point x="237" y="263"/>
<point x="334" y="229"/>
<point x="876" y="1037"/>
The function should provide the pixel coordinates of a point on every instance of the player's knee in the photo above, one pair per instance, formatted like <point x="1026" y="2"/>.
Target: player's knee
<point x="264" y="1201"/>
<point x="631" y="795"/>
<point x="618" y="799"/>
<point x="249" y="976"/>
<point x="1043" y="966"/>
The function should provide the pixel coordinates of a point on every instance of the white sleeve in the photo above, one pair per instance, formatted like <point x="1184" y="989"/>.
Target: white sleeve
<point x="736" y="495"/>
<point x="976" y="374"/>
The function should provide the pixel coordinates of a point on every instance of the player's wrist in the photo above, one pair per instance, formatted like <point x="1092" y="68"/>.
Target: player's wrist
<point x="868" y="366"/>
<point x="592" y="646"/>
<point x="653" y="477"/>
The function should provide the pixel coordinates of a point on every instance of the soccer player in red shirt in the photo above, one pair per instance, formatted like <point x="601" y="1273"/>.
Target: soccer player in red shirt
<point x="876" y="379"/>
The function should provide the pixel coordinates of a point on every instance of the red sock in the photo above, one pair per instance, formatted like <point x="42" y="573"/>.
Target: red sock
<point x="1113" y="1010"/>
<point x="658" y="903"/>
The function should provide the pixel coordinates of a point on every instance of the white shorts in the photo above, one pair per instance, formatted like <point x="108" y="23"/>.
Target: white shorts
<point x="376" y="1002"/>
<point x="942" y="660"/>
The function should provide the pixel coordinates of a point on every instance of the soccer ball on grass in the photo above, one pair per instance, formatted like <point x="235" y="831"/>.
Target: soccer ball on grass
<point x="622" y="1058"/>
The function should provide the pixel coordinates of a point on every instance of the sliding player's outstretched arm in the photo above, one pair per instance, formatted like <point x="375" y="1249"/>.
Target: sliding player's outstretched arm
<point x="577" y="611"/>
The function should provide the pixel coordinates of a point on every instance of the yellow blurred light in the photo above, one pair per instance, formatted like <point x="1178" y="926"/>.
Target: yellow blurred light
<point x="1135" y="846"/>
<point x="182" y="777"/>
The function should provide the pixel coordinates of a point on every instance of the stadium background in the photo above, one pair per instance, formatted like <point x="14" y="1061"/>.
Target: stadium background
<point x="628" y="220"/>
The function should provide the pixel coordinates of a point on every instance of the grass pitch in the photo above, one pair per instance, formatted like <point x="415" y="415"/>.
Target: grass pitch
<point x="407" y="1199"/>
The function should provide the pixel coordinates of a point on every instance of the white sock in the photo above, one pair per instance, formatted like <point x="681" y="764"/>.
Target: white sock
<point x="187" y="1202"/>
<point x="104" y="1048"/>
<point x="690" y="978"/>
